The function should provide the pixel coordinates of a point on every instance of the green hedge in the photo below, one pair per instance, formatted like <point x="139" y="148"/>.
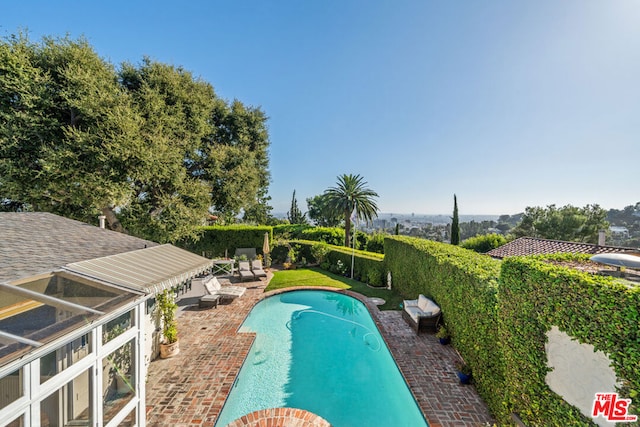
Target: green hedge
<point x="499" y="313"/>
<point x="290" y="231"/>
<point x="484" y="243"/>
<point x="330" y="235"/>
<point x="598" y="310"/>
<point x="215" y="240"/>
<point x="464" y="284"/>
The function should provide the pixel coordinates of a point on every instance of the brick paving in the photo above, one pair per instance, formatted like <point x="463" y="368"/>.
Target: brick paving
<point x="191" y="388"/>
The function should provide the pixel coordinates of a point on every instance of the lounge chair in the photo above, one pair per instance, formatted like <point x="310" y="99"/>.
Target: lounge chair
<point x="421" y="314"/>
<point x="256" y="267"/>
<point x="215" y="292"/>
<point x="244" y="268"/>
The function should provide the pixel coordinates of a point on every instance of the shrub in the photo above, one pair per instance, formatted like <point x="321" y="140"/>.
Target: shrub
<point x="319" y="251"/>
<point x="339" y="268"/>
<point x="484" y="243"/>
<point x="375" y="243"/>
<point x="279" y="251"/>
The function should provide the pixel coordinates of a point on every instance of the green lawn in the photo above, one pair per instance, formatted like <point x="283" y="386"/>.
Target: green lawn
<point x="318" y="277"/>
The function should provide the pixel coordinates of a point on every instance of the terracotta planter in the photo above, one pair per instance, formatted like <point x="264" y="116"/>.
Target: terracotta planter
<point x="169" y="350"/>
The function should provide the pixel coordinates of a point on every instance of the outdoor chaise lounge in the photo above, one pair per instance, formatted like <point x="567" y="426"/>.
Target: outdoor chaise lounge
<point x="244" y="268"/>
<point x="421" y="314"/>
<point x="256" y="267"/>
<point x="215" y="292"/>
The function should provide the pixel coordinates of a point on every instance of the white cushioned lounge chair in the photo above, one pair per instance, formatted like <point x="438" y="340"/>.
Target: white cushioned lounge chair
<point x="244" y="268"/>
<point x="256" y="267"/>
<point x="215" y="292"/>
<point x="421" y="314"/>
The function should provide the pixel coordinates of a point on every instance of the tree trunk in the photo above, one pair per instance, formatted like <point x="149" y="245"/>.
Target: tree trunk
<point x="112" y="219"/>
<point x="347" y="229"/>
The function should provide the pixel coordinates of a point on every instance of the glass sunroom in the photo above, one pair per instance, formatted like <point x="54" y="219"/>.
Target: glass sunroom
<point x="71" y="352"/>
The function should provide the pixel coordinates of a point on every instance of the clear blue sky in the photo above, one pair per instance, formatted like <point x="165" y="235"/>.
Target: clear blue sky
<point x="505" y="103"/>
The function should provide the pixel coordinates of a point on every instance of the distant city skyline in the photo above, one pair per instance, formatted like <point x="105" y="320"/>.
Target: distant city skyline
<point x="505" y="104"/>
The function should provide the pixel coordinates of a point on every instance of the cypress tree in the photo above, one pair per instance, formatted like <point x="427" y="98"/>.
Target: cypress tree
<point x="455" y="226"/>
<point x="295" y="215"/>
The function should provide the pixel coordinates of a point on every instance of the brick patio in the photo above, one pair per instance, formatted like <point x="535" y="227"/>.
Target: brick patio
<point x="190" y="388"/>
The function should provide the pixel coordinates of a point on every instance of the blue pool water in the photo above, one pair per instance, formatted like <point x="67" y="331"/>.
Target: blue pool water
<point x="320" y="351"/>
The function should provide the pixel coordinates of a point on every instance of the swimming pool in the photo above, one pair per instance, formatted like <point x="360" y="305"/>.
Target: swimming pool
<point x="320" y="351"/>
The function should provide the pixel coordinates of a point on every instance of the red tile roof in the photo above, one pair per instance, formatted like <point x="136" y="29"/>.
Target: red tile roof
<point x="533" y="246"/>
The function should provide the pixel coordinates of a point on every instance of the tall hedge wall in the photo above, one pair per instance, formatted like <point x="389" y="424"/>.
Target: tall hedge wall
<point x="215" y="240"/>
<point x="464" y="284"/>
<point x="499" y="314"/>
<point x="536" y="295"/>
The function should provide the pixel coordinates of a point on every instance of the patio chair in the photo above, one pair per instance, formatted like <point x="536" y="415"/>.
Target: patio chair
<point x="244" y="268"/>
<point x="256" y="267"/>
<point x="421" y="314"/>
<point x="215" y="292"/>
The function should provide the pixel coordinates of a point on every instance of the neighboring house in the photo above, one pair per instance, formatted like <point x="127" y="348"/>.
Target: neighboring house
<point x="77" y="329"/>
<point x="617" y="231"/>
<point x="534" y="246"/>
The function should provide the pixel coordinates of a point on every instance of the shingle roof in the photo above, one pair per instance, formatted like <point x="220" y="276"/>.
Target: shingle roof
<point x="38" y="242"/>
<point x="534" y="246"/>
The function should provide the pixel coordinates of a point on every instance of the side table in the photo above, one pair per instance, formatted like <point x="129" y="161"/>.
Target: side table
<point x="223" y="266"/>
<point x="209" y="301"/>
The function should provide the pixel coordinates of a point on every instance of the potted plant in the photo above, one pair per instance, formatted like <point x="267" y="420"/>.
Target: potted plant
<point x="167" y="308"/>
<point x="443" y="335"/>
<point x="464" y="372"/>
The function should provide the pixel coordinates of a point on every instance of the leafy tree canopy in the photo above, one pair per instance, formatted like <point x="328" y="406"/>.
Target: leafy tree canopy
<point x="149" y="146"/>
<point x="568" y="223"/>
<point x="320" y="213"/>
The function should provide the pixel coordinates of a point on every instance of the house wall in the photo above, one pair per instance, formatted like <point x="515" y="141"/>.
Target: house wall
<point x="151" y="334"/>
<point x="578" y="371"/>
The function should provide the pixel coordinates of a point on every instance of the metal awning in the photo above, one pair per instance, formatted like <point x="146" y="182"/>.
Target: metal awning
<point x="150" y="270"/>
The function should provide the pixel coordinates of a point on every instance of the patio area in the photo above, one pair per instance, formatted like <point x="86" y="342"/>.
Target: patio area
<point x="190" y="389"/>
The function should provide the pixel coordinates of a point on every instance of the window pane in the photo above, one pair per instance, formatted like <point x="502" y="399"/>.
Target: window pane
<point x="117" y="326"/>
<point x="65" y="356"/>
<point x="69" y="405"/>
<point x="118" y="379"/>
<point x="18" y="422"/>
<point x="11" y="388"/>
<point x="129" y="421"/>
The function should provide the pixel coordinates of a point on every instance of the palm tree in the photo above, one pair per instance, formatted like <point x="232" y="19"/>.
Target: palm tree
<point x="351" y="193"/>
